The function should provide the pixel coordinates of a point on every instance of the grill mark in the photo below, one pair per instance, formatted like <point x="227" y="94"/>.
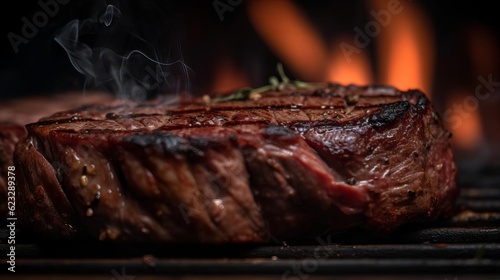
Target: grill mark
<point x="192" y="123"/>
<point x="221" y="107"/>
<point x="307" y="124"/>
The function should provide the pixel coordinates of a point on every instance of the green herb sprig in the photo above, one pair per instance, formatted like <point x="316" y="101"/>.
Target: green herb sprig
<point x="274" y="84"/>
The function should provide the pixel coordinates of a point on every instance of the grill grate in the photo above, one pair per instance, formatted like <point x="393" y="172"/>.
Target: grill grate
<point x="469" y="243"/>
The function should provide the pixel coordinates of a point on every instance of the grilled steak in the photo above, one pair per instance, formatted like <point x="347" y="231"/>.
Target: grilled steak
<point x="14" y="114"/>
<point x="284" y="165"/>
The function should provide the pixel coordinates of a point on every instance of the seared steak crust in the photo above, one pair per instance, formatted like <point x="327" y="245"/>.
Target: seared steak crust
<point x="288" y="165"/>
<point x="14" y="114"/>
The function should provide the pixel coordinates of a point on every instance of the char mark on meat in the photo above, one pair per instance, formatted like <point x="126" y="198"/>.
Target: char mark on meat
<point x="292" y="164"/>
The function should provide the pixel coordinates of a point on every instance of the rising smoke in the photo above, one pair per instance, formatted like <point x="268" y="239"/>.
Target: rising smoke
<point x="119" y="52"/>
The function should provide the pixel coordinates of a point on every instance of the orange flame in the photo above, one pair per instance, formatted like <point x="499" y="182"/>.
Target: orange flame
<point x="405" y="44"/>
<point x="356" y="70"/>
<point x="466" y="125"/>
<point x="406" y="48"/>
<point x="228" y="77"/>
<point x="289" y="34"/>
<point x="483" y="50"/>
<point x="483" y="47"/>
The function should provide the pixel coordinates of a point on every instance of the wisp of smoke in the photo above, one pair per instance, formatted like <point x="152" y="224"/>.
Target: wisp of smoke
<point x="137" y="74"/>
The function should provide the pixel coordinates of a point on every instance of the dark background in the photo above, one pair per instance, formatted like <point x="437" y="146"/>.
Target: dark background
<point x="193" y="30"/>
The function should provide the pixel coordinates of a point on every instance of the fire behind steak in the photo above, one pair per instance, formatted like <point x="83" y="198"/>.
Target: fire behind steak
<point x="286" y="165"/>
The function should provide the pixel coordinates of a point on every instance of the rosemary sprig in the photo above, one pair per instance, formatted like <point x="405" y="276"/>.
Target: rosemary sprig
<point x="274" y="84"/>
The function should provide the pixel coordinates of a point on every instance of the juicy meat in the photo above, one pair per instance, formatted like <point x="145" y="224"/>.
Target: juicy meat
<point x="14" y="114"/>
<point x="289" y="164"/>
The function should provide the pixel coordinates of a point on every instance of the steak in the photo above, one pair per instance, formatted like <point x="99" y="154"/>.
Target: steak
<point x="14" y="114"/>
<point x="282" y="165"/>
